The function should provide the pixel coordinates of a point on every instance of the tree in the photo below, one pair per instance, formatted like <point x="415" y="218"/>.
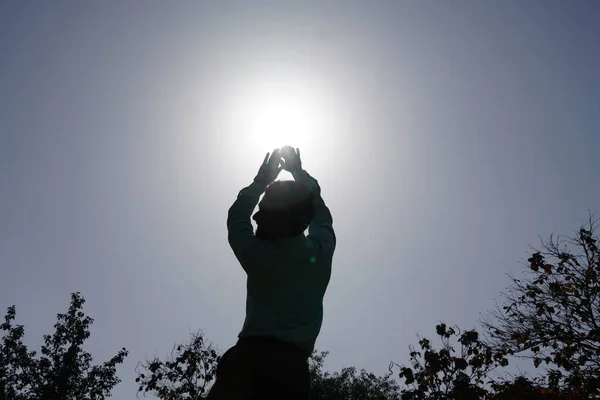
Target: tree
<point x="446" y="373"/>
<point x="63" y="370"/>
<point x="552" y="314"/>
<point x="523" y="388"/>
<point x="187" y="374"/>
<point x="15" y="359"/>
<point x="475" y="372"/>
<point x="349" y="384"/>
<point x="190" y="370"/>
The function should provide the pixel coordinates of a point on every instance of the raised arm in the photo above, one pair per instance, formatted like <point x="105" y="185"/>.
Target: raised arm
<point x="239" y="228"/>
<point x="320" y="229"/>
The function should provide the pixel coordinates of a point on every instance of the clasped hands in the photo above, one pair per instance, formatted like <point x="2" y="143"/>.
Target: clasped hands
<point x="285" y="158"/>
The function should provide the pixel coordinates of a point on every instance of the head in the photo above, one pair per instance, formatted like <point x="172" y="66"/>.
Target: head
<point x="285" y="210"/>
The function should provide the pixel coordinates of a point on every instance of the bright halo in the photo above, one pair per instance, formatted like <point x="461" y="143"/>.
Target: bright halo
<point x="272" y="114"/>
<point x="279" y="122"/>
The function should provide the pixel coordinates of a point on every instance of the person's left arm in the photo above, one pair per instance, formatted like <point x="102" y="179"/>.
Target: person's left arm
<point x="239" y="227"/>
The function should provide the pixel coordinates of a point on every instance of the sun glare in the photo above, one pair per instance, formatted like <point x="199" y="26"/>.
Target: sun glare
<point x="280" y="122"/>
<point x="273" y="114"/>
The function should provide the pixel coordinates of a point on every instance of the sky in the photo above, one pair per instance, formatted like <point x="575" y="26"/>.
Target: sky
<point x="446" y="136"/>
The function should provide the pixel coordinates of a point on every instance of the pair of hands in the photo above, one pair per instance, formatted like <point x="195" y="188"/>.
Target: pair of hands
<point x="284" y="158"/>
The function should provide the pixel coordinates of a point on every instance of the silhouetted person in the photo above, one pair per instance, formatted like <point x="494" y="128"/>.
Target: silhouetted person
<point x="288" y="274"/>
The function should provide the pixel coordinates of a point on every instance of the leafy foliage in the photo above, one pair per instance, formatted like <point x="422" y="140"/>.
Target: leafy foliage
<point x="63" y="370"/>
<point x="187" y="374"/>
<point x="349" y="384"/>
<point x="522" y="388"/>
<point x="454" y="371"/>
<point x="190" y="371"/>
<point x="15" y="359"/>
<point x="552" y="315"/>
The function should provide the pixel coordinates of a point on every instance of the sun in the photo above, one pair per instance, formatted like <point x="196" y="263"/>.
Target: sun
<point x="279" y="121"/>
<point x="271" y="114"/>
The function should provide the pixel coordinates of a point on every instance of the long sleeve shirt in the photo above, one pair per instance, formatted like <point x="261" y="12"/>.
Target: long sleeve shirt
<point x="286" y="278"/>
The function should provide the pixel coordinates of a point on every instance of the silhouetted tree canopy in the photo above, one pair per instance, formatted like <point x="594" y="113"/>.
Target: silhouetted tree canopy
<point x="524" y="388"/>
<point x="552" y="314"/>
<point x="63" y="370"/>
<point x="349" y="383"/>
<point x="465" y="367"/>
<point x="458" y="369"/>
<point x="187" y="373"/>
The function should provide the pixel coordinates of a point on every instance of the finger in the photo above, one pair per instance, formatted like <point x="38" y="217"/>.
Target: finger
<point x="275" y="158"/>
<point x="266" y="159"/>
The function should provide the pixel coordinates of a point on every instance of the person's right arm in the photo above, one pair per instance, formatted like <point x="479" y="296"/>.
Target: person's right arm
<point x="320" y="230"/>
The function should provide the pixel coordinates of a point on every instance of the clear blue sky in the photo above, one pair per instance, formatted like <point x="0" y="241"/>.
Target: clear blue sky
<point x="454" y="134"/>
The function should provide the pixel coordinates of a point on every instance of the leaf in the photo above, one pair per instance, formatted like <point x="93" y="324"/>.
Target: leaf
<point x="547" y="268"/>
<point x="461" y="363"/>
<point x="407" y="374"/>
<point x="440" y="329"/>
<point x="535" y="261"/>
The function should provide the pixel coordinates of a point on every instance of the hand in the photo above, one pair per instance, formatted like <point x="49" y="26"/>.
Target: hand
<point x="270" y="169"/>
<point x="291" y="159"/>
